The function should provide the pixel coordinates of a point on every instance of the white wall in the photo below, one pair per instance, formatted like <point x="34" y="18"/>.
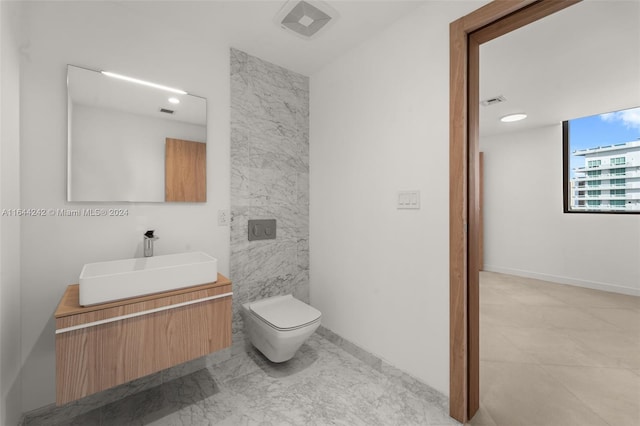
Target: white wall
<point x="526" y="231"/>
<point x="379" y="124"/>
<point x="114" y="36"/>
<point x="10" y="405"/>
<point x="120" y="156"/>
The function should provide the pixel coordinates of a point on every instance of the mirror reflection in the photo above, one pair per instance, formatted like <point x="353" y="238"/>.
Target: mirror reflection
<point x="119" y="129"/>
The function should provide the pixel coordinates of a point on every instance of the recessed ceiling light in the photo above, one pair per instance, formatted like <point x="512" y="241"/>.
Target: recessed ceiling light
<point x="174" y="100"/>
<point x="513" y="117"/>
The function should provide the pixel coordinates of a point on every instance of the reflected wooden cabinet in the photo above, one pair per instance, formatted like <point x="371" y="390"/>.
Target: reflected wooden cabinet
<point x="185" y="171"/>
<point x="102" y="346"/>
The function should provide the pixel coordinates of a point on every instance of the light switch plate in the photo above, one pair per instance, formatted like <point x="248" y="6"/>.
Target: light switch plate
<point x="262" y="229"/>
<point x="408" y="199"/>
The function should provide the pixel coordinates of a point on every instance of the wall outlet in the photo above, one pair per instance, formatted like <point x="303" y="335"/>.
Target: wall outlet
<point x="223" y="217"/>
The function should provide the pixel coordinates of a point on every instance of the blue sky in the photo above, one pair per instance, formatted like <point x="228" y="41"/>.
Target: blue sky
<point x="601" y="130"/>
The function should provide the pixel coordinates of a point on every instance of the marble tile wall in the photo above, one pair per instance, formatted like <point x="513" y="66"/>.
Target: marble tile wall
<point x="269" y="180"/>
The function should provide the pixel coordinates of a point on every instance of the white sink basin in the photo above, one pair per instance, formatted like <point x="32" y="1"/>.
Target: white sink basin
<point x="121" y="279"/>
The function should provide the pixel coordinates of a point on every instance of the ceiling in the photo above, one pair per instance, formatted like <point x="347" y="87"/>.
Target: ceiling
<point x="581" y="61"/>
<point x="250" y="26"/>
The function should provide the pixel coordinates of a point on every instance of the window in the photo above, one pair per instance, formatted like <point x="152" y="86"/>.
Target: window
<point x="601" y="163"/>
<point x="618" y="172"/>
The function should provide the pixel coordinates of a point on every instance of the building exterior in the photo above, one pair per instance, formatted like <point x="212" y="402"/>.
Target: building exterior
<point x="609" y="180"/>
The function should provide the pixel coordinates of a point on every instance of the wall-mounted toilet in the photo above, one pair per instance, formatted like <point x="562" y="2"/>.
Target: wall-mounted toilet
<point x="278" y="326"/>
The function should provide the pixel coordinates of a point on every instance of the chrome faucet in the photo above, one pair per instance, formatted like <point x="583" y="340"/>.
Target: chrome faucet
<point x="149" y="238"/>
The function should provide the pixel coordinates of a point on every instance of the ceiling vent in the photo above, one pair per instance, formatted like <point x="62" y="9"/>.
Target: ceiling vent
<point x="167" y="111"/>
<point x="493" y="101"/>
<point x="306" y="19"/>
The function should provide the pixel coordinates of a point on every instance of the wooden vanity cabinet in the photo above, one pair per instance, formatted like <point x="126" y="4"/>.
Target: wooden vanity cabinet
<point x="101" y="346"/>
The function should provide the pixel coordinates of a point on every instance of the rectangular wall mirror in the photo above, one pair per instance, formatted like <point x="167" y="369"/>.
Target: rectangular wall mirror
<point x="130" y="140"/>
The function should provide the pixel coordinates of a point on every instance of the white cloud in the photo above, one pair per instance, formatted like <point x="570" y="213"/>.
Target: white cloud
<point x="609" y="116"/>
<point x="630" y="118"/>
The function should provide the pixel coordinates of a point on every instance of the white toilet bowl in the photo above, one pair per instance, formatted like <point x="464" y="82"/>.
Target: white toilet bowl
<point x="278" y="326"/>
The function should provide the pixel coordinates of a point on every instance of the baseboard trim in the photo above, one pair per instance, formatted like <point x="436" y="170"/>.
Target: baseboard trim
<point x="594" y="285"/>
<point x="388" y="370"/>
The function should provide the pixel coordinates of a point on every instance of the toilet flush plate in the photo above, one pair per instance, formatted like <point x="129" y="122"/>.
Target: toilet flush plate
<point x="262" y="229"/>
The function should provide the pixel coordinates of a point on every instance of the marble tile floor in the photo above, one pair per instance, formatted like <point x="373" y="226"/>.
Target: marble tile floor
<point x="322" y="385"/>
<point x="554" y="354"/>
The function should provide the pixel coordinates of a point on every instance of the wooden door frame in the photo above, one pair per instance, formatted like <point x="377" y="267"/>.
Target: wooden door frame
<point x="465" y="37"/>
